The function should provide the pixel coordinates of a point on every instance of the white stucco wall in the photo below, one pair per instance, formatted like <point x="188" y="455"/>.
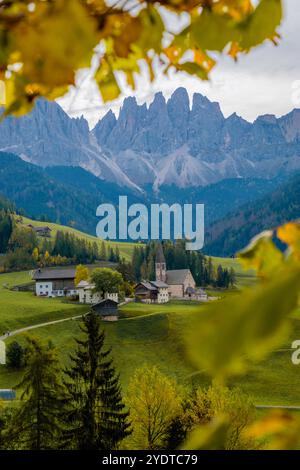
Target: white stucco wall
<point x="86" y="296"/>
<point x="163" y="296"/>
<point x="43" y="288"/>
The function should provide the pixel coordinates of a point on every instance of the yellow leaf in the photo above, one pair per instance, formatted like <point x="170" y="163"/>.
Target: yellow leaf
<point x="290" y="234"/>
<point x="261" y="254"/>
<point x="211" y="436"/>
<point x="152" y="30"/>
<point x="279" y="429"/>
<point x="56" y="40"/>
<point x="107" y="82"/>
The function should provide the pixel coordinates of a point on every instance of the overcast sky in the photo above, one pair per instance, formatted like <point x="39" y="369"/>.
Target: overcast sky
<point x="264" y="82"/>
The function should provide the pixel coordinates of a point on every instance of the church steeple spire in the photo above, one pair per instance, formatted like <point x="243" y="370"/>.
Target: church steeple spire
<point x="160" y="264"/>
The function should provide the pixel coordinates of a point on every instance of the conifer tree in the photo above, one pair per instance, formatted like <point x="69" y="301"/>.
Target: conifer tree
<point x="97" y="417"/>
<point x="103" y="254"/>
<point x="35" y="425"/>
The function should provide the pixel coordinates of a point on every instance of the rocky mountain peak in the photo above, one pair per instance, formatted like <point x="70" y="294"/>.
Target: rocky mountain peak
<point x="163" y="144"/>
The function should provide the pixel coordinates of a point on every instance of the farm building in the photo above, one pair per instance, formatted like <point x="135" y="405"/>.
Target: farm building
<point x="107" y="309"/>
<point x="41" y="231"/>
<point x="152" y="291"/>
<point x="55" y="282"/>
<point x="87" y="295"/>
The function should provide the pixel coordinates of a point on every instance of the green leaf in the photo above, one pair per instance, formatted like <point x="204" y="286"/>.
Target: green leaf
<point x="211" y="31"/>
<point x="261" y="24"/>
<point x="193" y="69"/>
<point x="228" y="334"/>
<point x="152" y="30"/>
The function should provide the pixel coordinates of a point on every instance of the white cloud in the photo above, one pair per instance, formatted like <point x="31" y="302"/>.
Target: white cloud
<point x="260" y="83"/>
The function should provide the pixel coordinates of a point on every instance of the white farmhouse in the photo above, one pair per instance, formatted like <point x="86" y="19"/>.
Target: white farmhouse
<point x="87" y="295"/>
<point x="55" y="282"/>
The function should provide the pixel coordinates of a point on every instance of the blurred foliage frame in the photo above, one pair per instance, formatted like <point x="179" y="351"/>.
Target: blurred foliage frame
<point x="43" y="43"/>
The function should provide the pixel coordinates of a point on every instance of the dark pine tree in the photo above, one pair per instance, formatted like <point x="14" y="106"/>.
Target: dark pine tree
<point x="97" y="418"/>
<point x="35" y="423"/>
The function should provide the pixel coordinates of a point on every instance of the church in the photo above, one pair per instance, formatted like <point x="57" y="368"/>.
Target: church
<point x="176" y="283"/>
<point x="180" y="281"/>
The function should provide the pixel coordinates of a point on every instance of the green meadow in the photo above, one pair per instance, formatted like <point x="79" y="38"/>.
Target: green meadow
<point x="21" y="309"/>
<point x="147" y="334"/>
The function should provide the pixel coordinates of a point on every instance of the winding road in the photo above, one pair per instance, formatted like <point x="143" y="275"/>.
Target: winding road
<point x="38" y="325"/>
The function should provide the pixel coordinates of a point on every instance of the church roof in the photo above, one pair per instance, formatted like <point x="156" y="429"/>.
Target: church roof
<point x="159" y="284"/>
<point x="160" y="257"/>
<point x="177" y="276"/>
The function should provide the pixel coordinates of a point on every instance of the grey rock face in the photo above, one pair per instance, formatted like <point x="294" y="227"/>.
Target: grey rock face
<point x="166" y="143"/>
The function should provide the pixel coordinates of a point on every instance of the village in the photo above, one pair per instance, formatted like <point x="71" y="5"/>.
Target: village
<point x="176" y="284"/>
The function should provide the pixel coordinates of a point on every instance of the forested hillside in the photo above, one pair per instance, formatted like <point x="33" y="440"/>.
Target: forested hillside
<point x="227" y="236"/>
<point x="51" y="197"/>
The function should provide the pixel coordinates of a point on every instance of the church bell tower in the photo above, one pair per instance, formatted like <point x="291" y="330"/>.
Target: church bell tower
<point x="160" y="265"/>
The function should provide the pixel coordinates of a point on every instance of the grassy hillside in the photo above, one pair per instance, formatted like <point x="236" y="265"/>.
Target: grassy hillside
<point x="126" y="249"/>
<point x="21" y="309"/>
<point x="154" y="334"/>
<point x="61" y="193"/>
<point x="244" y="277"/>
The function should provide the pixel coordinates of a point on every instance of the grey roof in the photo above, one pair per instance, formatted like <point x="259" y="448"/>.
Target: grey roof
<point x="177" y="276"/>
<point x="83" y="284"/>
<point x="103" y="301"/>
<point x="190" y="290"/>
<point x="47" y="274"/>
<point x="42" y="228"/>
<point x="159" y="284"/>
<point x="148" y="285"/>
<point x="160" y="257"/>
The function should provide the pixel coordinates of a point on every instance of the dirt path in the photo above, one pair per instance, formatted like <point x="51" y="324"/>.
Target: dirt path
<point x="39" y="325"/>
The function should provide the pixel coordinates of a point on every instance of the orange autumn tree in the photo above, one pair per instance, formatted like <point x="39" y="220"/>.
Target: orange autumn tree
<point x="43" y="43"/>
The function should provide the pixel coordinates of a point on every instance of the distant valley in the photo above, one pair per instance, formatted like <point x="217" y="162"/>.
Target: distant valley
<point x="70" y="195"/>
<point x="55" y="168"/>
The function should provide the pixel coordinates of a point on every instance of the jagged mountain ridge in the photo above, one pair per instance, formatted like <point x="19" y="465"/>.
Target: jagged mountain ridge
<point x="167" y="143"/>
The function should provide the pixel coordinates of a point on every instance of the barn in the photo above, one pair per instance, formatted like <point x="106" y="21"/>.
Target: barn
<point x="107" y="309"/>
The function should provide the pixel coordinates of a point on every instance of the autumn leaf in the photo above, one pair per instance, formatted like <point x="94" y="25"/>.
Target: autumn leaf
<point x="290" y="234"/>
<point x="231" y="333"/>
<point x="106" y="80"/>
<point x="262" y="255"/>
<point x="49" y="42"/>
